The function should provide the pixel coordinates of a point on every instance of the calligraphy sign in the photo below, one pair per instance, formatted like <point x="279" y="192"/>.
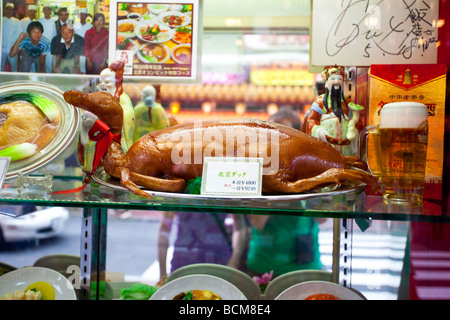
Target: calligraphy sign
<point x="365" y="32"/>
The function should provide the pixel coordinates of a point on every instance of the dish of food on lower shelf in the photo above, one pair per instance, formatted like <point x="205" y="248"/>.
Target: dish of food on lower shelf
<point x="35" y="283"/>
<point x="198" y="287"/>
<point x="319" y="290"/>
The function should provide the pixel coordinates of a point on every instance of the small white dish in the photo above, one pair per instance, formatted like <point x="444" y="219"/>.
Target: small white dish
<point x="158" y="8"/>
<point x="224" y="289"/>
<point x="182" y="49"/>
<point x="127" y="34"/>
<point x="134" y="16"/>
<point x="238" y="278"/>
<point x="20" y="279"/>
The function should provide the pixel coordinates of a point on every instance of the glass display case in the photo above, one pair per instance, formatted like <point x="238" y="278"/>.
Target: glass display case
<point x="254" y="59"/>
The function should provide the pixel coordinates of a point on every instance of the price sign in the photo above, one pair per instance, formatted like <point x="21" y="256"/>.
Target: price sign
<point x="238" y="176"/>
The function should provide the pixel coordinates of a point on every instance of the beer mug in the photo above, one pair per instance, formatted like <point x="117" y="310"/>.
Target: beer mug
<point x="400" y="148"/>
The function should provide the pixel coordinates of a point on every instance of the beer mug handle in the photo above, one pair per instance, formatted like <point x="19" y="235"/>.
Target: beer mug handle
<point x="363" y="137"/>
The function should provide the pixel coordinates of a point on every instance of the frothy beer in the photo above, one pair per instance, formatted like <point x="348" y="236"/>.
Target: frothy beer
<point x="403" y="140"/>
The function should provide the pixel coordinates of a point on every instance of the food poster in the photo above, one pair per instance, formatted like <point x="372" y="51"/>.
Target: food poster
<point x="157" y="39"/>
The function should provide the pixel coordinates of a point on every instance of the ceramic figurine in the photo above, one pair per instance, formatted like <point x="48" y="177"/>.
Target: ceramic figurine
<point x="86" y="147"/>
<point x="333" y="117"/>
<point x="150" y="115"/>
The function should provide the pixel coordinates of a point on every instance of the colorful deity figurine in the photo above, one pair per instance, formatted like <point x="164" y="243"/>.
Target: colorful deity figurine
<point x="86" y="147"/>
<point x="333" y="117"/>
<point x="150" y="115"/>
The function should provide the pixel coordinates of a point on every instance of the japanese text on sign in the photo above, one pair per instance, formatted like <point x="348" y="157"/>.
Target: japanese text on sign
<point x="368" y="32"/>
<point x="220" y="176"/>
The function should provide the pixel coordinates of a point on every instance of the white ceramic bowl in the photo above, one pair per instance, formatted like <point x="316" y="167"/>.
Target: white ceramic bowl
<point x="221" y="287"/>
<point x="238" y="278"/>
<point x="163" y="46"/>
<point x="303" y="290"/>
<point x="21" y="278"/>
<point x="287" y="280"/>
<point x="176" y="48"/>
<point x="158" y="8"/>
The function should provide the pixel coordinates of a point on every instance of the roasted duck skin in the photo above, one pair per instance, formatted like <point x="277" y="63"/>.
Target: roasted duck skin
<point x="303" y="162"/>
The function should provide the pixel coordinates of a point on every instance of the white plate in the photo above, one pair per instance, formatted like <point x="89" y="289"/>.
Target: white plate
<point x="174" y="39"/>
<point x="129" y="34"/>
<point x="185" y="18"/>
<point x="67" y="132"/>
<point x="134" y="16"/>
<point x="303" y="290"/>
<point x="133" y="47"/>
<point x="166" y="48"/>
<point x="221" y="287"/>
<point x="102" y="178"/>
<point x="21" y="278"/>
<point x="238" y="278"/>
<point x="287" y="280"/>
<point x="166" y="36"/>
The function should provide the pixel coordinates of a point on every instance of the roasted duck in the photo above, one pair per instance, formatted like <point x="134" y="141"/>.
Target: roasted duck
<point x="164" y="160"/>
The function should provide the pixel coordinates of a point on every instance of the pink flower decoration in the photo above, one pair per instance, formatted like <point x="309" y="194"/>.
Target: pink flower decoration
<point x="264" y="279"/>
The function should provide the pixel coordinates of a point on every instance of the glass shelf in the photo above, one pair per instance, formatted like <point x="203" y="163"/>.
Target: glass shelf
<point x="353" y="204"/>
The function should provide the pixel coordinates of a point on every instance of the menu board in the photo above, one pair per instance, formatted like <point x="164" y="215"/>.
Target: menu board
<point x="156" y="39"/>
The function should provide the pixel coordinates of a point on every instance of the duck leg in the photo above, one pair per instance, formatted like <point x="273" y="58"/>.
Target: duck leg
<point x="331" y="176"/>
<point x="132" y="181"/>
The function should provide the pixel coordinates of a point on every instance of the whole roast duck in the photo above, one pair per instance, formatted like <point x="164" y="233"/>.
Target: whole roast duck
<point x="153" y="162"/>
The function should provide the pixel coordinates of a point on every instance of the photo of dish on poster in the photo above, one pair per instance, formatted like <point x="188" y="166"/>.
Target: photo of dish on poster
<point x="157" y="39"/>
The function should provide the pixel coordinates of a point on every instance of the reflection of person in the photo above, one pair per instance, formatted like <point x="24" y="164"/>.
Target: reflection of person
<point x="67" y="49"/>
<point x="201" y="238"/>
<point x="80" y="29"/>
<point x="82" y="26"/>
<point x="96" y="46"/>
<point x="150" y="115"/>
<point x="10" y="33"/>
<point x="31" y="17"/>
<point x="288" y="117"/>
<point x="63" y="18"/>
<point x="281" y="243"/>
<point x="334" y="118"/>
<point x="49" y="32"/>
<point x="33" y="48"/>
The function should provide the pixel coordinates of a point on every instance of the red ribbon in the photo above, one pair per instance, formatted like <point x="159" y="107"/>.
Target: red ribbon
<point x="101" y="133"/>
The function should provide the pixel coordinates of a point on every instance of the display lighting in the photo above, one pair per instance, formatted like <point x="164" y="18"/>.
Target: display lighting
<point x="208" y="106"/>
<point x="272" y="108"/>
<point x="240" y="108"/>
<point x="175" y="107"/>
